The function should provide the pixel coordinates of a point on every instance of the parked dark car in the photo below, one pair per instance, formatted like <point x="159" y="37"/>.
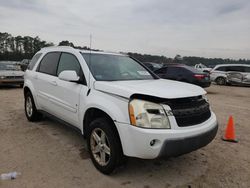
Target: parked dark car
<point x="153" y="66"/>
<point x="184" y="73"/>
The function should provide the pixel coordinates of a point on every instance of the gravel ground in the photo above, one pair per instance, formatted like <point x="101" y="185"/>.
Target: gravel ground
<point x="49" y="154"/>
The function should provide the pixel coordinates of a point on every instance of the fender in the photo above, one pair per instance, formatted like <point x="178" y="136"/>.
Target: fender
<point x="116" y="107"/>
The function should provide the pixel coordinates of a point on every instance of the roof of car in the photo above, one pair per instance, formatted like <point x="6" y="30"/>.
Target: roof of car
<point x="224" y="65"/>
<point x="69" y="48"/>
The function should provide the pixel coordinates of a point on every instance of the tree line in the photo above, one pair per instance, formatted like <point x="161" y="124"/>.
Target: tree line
<point x="17" y="48"/>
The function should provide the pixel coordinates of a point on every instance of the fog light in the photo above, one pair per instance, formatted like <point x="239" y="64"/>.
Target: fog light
<point x="152" y="142"/>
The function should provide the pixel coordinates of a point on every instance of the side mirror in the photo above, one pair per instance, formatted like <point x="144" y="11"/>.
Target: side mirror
<point x="69" y="75"/>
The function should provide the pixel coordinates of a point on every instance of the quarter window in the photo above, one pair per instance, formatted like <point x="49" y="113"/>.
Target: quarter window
<point x="49" y="63"/>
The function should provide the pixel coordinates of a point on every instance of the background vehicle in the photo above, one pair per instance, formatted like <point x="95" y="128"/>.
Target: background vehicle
<point x="184" y="73"/>
<point x="11" y="74"/>
<point x="202" y="68"/>
<point x="119" y="106"/>
<point x="219" y="72"/>
<point x="153" y="66"/>
<point x="237" y="78"/>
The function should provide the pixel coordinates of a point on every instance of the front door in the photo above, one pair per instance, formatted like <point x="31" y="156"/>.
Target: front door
<point x="68" y="93"/>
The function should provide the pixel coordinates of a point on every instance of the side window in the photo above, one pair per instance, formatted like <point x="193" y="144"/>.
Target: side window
<point x="69" y="62"/>
<point x="247" y="69"/>
<point x="221" y="69"/>
<point x="33" y="61"/>
<point x="235" y="68"/>
<point x="161" y="71"/>
<point x="173" y="70"/>
<point x="48" y="65"/>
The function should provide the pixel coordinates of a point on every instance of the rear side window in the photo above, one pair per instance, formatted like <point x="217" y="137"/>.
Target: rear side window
<point x="176" y="70"/>
<point x="48" y="65"/>
<point x="247" y="69"/>
<point x="235" y="68"/>
<point x="68" y="62"/>
<point x="221" y="69"/>
<point x="161" y="71"/>
<point x="33" y="61"/>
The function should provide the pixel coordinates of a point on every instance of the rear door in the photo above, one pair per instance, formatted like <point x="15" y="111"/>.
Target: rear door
<point x="45" y="80"/>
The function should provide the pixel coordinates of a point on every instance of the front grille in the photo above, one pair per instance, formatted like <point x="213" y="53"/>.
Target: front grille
<point x="14" y="77"/>
<point x="189" y="111"/>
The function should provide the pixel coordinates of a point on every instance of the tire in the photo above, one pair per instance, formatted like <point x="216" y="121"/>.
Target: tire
<point x="220" y="81"/>
<point x="30" y="108"/>
<point x="104" y="145"/>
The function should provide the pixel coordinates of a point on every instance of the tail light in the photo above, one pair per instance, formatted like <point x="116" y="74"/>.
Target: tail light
<point x="199" y="76"/>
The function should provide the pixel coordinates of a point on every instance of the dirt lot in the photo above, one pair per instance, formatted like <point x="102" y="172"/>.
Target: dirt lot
<point x="49" y="154"/>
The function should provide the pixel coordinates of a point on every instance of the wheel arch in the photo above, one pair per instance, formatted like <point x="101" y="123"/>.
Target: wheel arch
<point x="93" y="113"/>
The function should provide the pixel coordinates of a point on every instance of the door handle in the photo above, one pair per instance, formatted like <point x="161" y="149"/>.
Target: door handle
<point x="54" y="83"/>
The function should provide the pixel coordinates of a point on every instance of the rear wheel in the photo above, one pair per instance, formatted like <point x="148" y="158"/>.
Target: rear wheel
<point x="104" y="145"/>
<point x="30" y="108"/>
<point x="220" y="81"/>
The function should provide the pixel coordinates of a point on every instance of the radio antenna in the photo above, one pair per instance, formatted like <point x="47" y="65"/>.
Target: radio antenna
<point x="90" y="46"/>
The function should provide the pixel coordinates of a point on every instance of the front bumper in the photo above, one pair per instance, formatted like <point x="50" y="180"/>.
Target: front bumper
<point x="176" y="147"/>
<point x="11" y="81"/>
<point x="136" y="142"/>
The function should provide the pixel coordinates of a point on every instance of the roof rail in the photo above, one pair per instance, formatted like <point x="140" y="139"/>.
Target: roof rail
<point x="57" y="47"/>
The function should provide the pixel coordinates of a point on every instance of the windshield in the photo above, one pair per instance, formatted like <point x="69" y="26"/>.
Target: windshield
<point x="106" y="67"/>
<point x="10" y="67"/>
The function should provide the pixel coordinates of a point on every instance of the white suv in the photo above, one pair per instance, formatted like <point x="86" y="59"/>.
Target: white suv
<point x="120" y="106"/>
<point x="219" y="74"/>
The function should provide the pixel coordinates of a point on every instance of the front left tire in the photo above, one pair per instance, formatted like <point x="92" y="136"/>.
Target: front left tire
<point x="104" y="145"/>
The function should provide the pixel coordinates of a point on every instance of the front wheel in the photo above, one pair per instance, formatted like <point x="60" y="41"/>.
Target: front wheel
<point x="104" y="145"/>
<point x="30" y="108"/>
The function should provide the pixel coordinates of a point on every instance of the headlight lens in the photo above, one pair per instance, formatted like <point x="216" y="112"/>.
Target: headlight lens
<point x="205" y="97"/>
<point x="148" y="115"/>
<point x="2" y="77"/>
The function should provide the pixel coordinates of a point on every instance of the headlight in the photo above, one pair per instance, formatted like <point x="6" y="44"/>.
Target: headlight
<point x="205" y="97"/>
<point x="2" y="77"/>
<point x="148" y="115"/>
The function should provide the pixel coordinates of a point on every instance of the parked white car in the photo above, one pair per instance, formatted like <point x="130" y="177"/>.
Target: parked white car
<point x="11" y="74"/>
<point x="202" y="67"/>
<point x="220" y="72"/>
<point x="120" y="107"/>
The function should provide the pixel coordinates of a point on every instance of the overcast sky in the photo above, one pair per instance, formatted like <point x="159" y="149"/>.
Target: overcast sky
<point x="209" y="28"/>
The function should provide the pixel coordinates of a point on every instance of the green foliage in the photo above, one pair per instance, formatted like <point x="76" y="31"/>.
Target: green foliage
<point x="210" y="62"/>
<point x="150" y="58"/>
<point x="18" y="48"/>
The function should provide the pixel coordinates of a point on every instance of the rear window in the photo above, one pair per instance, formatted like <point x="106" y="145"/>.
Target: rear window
<point x="48" y="65"/>
<point x="33" y="61"/>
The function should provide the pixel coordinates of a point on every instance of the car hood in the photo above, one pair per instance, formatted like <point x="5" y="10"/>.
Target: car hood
<point x="158" y="88"/>
<point x="11" y="73"/>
